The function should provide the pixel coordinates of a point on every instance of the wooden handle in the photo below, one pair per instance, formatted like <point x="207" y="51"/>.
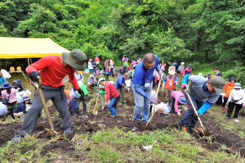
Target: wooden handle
<point x="40" y="92"/>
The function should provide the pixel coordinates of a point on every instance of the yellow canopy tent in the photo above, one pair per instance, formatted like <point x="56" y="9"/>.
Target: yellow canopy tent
<point x="28" y="47"/>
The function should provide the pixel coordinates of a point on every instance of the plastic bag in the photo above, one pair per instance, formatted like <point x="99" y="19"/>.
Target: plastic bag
<point x="3" y="109"/>
<point x="163" y="108"/>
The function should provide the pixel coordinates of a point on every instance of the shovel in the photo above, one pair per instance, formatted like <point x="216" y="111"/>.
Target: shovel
<point x="51" y="131"/>
<point x="153" y="106"/>
<point x="202" y="131"/>
<point x="95" y="112"/>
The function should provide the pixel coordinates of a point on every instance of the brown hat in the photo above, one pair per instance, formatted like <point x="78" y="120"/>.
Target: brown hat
<point x="218" y="83"/>
<point x="76" y="59"/>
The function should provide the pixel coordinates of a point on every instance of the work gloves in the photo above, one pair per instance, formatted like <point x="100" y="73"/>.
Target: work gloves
<point x="33" y="75"/>
<point x="161" y="73"/>
<point x="80" y="91"/>
<point x="199" y="115"/>
<point x="183" y="86"/>
<point x="106" y="103"/>
<point x="153" y="99"/>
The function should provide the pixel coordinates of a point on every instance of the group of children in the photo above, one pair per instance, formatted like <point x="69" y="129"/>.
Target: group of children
<point x="9" y="98"/>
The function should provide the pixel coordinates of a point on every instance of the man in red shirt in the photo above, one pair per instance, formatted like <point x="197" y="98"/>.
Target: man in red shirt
<point x="52" y="70"/>
<point x="111" y="94"/>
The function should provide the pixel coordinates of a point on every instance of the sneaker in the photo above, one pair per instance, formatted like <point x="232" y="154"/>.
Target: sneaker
<point x="19" y="118"/>
<point x="13" y="120"/>
<point x="16" y="139"/>
<point x="124" y="101"/>
<point x="119" y="103"/>
<point x="179" y="114"/>
<point x="223" y="110"/>
<point x="226" y="118"/>
<point x="236" y="120"/>
<point x="67" y="131"/>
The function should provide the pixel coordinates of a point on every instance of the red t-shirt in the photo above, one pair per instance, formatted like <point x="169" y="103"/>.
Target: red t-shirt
<point x="111" y="91"/>
<point x="52" y="71"/>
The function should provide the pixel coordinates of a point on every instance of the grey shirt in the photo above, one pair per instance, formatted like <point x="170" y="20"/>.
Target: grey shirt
<point x="197" y="90"/>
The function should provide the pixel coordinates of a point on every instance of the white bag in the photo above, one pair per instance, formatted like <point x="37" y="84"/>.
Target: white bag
<point x="3" y="109"/>
<point x="163" y="108"/>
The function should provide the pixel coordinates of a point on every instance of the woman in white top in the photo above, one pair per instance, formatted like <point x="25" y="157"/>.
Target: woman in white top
<point x="236" y="99"/>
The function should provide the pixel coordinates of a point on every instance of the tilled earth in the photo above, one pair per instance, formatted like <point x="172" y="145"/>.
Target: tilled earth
<point x="89" y="123"/>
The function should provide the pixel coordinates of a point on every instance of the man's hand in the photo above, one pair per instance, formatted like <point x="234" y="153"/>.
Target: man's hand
<point x="183" y="86"/>
<point x="153" y="99"/>
<point x="33" y="75"/>
<point x="161" y="73"/>
<point x="199" y="115"/>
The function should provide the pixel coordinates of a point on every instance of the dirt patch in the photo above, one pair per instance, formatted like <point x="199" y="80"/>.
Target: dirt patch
<point x="62" y="146"/>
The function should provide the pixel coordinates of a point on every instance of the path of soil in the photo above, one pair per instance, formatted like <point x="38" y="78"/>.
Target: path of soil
<point x="89" y="123"/>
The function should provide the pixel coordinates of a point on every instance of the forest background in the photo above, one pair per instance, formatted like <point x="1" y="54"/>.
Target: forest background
<point x="200" y="32"/>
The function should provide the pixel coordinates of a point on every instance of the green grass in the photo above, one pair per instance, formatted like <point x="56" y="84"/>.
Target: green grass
<point x="115" y="145"/>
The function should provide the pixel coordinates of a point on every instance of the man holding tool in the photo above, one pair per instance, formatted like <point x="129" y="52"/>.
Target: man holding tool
<point x="202" y="93"/>
<point x="52" y="70"/>
<point x="142" y="86"/>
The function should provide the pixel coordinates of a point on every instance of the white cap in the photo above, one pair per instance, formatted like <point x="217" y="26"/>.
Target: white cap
<point x="171" y="72"/>
<point x="182" y="63"/>
<point x="101" y="79"/>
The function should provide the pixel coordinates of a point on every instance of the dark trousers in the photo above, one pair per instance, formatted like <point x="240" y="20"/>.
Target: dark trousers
<point x="172" y="105"/>
<point x="238" y="108"/>
<point x="225" y="100"/>
<point x="189" y="117"/>
<point x="58" y="97"/>
<point x="112" y="74"/>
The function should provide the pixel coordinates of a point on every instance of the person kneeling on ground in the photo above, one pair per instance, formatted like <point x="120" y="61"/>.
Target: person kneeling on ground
<point x="18" y="85"/>
<point x="52" y="69"/>
<point x="120" y="85"/>
<point x="176" y="98"/>
<point x="73" y="103"/>
<point x="9" y="98"/>
<point x="111" y="94"/>
<point x="203" y="94"/>
<point x="92" y="81"/>
<point x="22" y="107"/>
<point x="236" y="99"/>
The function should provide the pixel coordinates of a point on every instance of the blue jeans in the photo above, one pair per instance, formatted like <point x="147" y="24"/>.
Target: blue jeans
<point x="113" y="104"/>
<point x="142" y="104"/>
<point x="189" y="117"/>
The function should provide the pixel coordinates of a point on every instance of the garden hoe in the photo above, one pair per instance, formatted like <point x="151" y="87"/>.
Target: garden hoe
<point x="202" y="131"/>
<point x="153" y="106"/>
<point x="51" y="131"/>
<point x="95" y="112"/>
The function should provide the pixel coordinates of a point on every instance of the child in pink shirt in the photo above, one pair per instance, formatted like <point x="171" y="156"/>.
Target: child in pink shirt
<point x="9" y="94"/>
<point x="176" y="98"/>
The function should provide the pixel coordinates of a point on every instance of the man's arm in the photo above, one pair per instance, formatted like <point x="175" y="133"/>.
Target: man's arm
<point x="140" y="91"/>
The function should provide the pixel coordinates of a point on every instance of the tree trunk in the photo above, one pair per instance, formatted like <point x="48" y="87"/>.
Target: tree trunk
<point x="206" y="56"/>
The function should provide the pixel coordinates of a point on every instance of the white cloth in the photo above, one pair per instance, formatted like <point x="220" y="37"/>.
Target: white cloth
<point x="5" y="74"/>
<point x="3" y="109"/>
<point x="90" y="66"/>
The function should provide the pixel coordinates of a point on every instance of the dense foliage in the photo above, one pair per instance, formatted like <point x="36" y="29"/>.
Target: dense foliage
<point x="187" y="30"/>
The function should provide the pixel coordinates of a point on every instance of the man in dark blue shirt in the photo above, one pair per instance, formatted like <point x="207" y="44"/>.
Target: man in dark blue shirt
<point x="120" y="84"/>
<point x="142" y="86"/>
